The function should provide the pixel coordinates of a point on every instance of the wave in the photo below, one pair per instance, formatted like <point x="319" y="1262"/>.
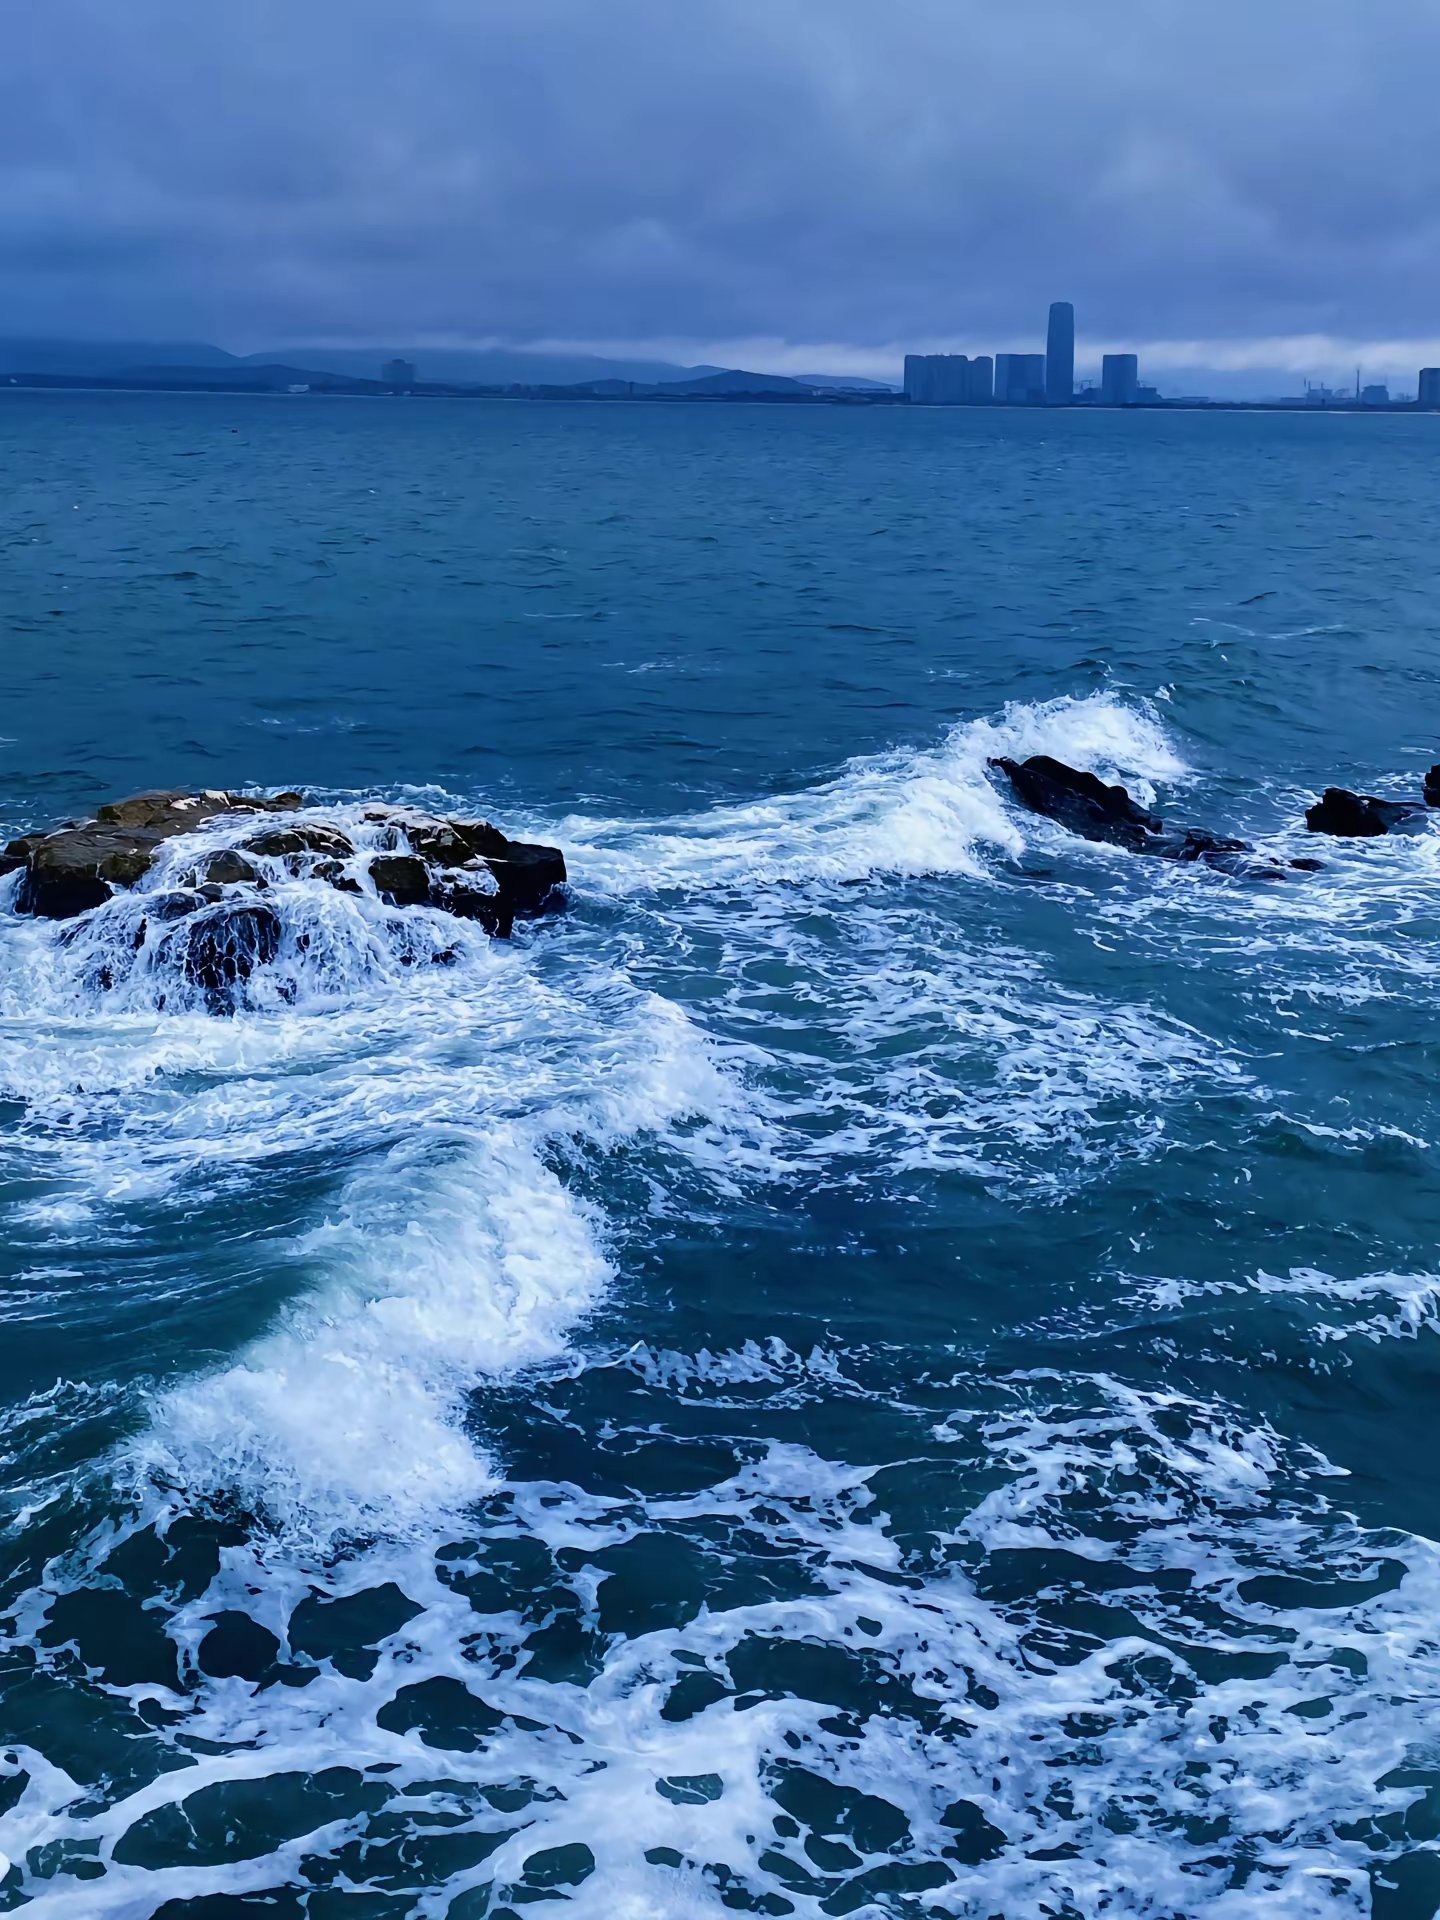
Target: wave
<point x="447" y="1262"/>
<point x="906" y="812"/>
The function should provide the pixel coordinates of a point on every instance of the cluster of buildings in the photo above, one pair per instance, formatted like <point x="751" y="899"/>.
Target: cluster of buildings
<point x="1024" y="379"/>
<point x="1048" y="379"/>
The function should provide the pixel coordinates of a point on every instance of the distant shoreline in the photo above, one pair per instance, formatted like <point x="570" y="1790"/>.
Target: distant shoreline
<point x="825" y="397"/>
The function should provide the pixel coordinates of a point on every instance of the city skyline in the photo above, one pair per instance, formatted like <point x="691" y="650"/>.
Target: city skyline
<point x="1013" y="378"/>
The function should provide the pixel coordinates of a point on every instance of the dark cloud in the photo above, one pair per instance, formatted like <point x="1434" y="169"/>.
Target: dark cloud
<point x="805" y="171"/>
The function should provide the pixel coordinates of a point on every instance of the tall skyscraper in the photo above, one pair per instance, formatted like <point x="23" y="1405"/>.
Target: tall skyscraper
<point x="1119" y="380"/>
<point x="1060" y="355"/>
<point x="980" y="380"/>
<point x="1429" y="393"/>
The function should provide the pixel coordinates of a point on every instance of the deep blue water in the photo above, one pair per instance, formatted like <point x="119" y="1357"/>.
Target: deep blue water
<point x="883" y="1363"/>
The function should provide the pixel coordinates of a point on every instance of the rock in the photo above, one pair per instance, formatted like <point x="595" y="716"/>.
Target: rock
<point x="335" y="875"/>
<point x="219" y="949"/>
<point x="1194" y="843"/>
<point x="164" y="908"/>
<point x="1360" y="816"/>
<point x="1432" y="787"/>
<point x="464" y="896"/>
<point x="1083" y="803"/>
<point x="529" y="877"/>
<point x="175" y="810"/>
<point x="227" y="868"/>
<point x="284" y="843"/>
<point x="401" y="879"/>
<point x="467" y="868"/>
<point x="70" y="872"/>
<point x="1080" y="801"/>
<point x="78" y="867"/>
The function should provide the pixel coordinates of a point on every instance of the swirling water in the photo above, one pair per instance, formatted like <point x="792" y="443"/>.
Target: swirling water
<point x="881" y="1364"/>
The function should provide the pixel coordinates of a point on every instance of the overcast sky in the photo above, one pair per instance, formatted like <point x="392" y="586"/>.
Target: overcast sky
<point x="811" y="184"/>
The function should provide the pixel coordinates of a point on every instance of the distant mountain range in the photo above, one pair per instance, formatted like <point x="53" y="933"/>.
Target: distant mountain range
<point x="198" y="363"/>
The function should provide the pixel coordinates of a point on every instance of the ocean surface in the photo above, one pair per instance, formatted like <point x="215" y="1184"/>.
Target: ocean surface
<point x="884" y="1363"/>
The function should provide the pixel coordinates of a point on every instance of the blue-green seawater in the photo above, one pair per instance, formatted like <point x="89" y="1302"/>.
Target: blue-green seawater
<point x="885" y="1362"/>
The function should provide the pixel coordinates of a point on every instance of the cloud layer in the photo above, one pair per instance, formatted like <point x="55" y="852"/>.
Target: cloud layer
<point x="813" y="176"/>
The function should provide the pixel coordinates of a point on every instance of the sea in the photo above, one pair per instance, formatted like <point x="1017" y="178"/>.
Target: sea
<point x="881" y="1363"/>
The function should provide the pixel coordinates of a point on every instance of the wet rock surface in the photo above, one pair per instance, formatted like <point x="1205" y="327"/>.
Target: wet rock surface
<point x="79" y="866"/>
<point x="221" y="946"/>
<point x="1360" y="816"/>
<point x="1082" y="803"/>
<point x="216" y="916"/>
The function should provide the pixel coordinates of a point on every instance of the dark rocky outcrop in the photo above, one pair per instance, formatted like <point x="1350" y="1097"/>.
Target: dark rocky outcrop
<point x="1080" y="801"/>
<point x="1360" y="816"/>
<point x="475" y="872"/>
<point x="228" y="868"/>
<point x="79" y="866"/>
<point x="1432" y="787"/>
<point x="1084" y="804"/>
<point x="467" y="868"/>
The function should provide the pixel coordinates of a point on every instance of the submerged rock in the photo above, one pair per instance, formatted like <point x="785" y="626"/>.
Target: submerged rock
<point x="1360" y="816"/>
<point x="220" y="948"/>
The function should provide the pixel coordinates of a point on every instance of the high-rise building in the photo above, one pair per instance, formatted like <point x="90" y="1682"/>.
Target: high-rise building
<point x="1020" y="378"/>
<point x="1119" y="380"/>
<point x="946" y="379"/>
<point x="1060" y="355"/>
<point x="1429" y="391"/>
<point x="398" y="373"/>
<point x="980" y="380"/>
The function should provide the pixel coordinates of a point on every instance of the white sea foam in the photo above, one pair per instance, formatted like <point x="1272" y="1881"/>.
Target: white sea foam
<point x="1122" y="1773"/>
<point x="935" y="810"/>
<point x="449" y="1262"/>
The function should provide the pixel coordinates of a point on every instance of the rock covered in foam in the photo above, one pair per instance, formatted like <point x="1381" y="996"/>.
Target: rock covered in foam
<point x="1360" y="816"/>
<point x="231" y="893"/>
<point x="219" y="947"/>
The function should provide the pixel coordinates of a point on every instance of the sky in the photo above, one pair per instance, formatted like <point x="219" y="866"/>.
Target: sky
<point x="1244" y="190"/>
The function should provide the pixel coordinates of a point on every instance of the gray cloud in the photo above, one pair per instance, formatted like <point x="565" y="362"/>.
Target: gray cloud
<point x="811" y="174"/>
